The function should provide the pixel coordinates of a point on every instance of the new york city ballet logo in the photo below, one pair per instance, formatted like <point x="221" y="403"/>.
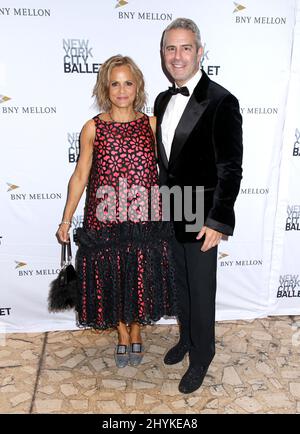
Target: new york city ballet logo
<point x="293" y="218"/>
<point x="296" y="150"/>
<point x="73" y="150"/>
<point x="148" y="109"/>
<point x="77" y="222"/>
<point x="209" y="69"/>
<point x="4" y="311"/>
<point x="77" y="57"/>
<point x="289" y="286"/>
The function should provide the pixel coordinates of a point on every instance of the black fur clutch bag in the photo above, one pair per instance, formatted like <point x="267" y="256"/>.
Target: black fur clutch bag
<point x="63" y="290"/>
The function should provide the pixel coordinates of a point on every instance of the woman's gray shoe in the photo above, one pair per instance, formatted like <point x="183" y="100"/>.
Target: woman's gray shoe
<point x="136" y="354"/>
<point x="121" y="355"/>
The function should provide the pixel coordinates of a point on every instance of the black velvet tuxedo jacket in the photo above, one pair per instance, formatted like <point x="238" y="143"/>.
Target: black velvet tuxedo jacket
<point x="206" y="151"/>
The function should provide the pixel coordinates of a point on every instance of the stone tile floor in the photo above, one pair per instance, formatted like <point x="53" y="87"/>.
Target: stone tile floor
<point x="256" y="370"/>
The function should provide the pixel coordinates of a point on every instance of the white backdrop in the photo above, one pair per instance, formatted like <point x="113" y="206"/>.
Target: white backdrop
<point x="50" y="53"/>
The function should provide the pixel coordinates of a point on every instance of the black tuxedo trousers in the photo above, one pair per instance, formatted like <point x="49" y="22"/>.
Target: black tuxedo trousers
<point x="196" y="281"/>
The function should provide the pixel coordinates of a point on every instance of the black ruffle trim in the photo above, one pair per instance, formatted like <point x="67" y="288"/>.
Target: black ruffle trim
<point x="126" y="273"/>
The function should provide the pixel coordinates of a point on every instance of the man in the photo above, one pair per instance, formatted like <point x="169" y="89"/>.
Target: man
<point x="199" y="135"/>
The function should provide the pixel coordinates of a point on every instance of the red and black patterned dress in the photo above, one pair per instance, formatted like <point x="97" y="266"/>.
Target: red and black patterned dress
<point x="124" y="259"/>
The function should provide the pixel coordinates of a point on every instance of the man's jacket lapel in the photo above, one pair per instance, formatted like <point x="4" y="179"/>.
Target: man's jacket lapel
<point x="195" y="108"/>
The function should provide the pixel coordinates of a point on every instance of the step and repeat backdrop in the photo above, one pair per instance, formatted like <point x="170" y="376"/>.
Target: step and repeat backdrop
<point x="51" y="51"/>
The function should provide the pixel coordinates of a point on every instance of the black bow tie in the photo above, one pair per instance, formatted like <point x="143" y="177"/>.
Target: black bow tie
<point x="175" y="90"/>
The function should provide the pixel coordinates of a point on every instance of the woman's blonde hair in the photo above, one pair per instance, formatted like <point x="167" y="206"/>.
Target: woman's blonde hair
<point x="101" y="88"/>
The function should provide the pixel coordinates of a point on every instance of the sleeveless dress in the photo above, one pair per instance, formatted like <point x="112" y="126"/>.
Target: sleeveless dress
<point x="124" y="259"/>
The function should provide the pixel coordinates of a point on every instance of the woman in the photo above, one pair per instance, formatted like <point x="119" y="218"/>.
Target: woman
<point x="123" y="261"/>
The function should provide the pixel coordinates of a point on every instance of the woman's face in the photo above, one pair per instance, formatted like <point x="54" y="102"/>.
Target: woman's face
<point x="122" y="87"/>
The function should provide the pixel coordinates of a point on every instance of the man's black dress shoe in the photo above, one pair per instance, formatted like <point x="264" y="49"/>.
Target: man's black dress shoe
<point x="176" y="354"/>
<point x="192" y="379"/>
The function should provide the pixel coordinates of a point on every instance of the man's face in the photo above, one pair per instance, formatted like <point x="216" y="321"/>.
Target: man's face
<point x="181" y="55"/>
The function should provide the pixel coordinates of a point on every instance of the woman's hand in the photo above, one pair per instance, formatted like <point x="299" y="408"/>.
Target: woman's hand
<point x="62" y="233"/>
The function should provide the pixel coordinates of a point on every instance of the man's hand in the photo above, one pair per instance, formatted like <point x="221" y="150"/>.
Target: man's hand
<point x="212" y="238"/>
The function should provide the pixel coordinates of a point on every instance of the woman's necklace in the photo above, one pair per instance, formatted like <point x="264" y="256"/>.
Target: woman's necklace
<point x="121" y="122"/>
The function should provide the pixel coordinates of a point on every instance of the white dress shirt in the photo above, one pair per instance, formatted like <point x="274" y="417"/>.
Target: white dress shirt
<point x="174" y="111"/>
